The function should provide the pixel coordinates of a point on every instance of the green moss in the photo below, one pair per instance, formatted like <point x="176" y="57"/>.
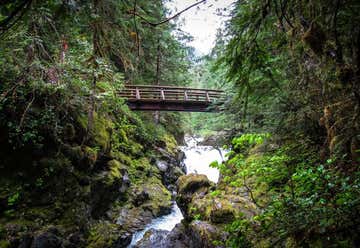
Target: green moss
<point x="89" y="154"/>
<point x="171" y="144"/>
<point x="103" y="234"/>
<point x="135" y="148"/>
<point x="74" y="153"/>
<point x="121" y="157"/>
<point x="4" y="244"/>
<point x="123" y="136"/>
<point x="222" y="212"/>
<point x="51" y="164"/>
<point x="115" y="174"/>
<point x="192" y="182"/>
<point x="82" y="121"/>
<point x="101" y="133"/>
<point x="42" y="213"/>
<point x="160" y="197"/>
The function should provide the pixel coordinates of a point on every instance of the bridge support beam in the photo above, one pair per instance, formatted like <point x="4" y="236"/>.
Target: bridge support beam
<point x="172" y="106"/>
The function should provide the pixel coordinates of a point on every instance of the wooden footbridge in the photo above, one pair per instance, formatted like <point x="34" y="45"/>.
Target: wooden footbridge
<point x="171" y="98"/>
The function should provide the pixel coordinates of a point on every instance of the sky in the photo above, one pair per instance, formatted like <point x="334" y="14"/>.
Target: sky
<point x="201" y="22"/>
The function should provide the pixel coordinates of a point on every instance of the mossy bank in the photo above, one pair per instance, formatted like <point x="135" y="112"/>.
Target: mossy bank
<point x="65" y="184"/>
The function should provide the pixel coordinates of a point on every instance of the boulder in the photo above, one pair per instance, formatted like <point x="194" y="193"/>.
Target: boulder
<point x="107" y="186"/>
<point x="141" y="197"/>
<point x="172" y="175"/>
<point x="192" y="183"/>
<point x="25" y="241"/>
<point x="106" y="234"/>
<point x="176" y="238"/>
<point x="222" y="212"/>
<point x="153" y="238"/>
<point x="46" y="240"/>
<point x="188" y="187"/>
<point x="203" y="234"/>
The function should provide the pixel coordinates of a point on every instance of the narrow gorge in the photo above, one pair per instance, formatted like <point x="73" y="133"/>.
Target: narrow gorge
<point x="179" y="123"/>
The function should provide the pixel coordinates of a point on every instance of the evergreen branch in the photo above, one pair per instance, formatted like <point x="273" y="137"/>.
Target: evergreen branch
<point x="7" y="23"/>
<point x="167" y="19"/>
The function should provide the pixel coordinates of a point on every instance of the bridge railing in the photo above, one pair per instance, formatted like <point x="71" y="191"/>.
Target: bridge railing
<point x="169" y="93"/>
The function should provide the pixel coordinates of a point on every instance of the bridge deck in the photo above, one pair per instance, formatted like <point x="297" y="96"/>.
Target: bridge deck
<point x="171" y="98"/>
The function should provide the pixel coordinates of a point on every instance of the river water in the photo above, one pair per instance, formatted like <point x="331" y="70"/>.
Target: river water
<point x="197" y="160"/>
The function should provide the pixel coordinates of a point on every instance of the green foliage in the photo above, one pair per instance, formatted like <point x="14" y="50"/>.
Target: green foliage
<point x="215" y="193"/>
<point x="197" y="216"/>
<point x="238" y="230"/>
<point x="291" y="68"/>
<point x="301" y="195"/>
<point x="248" y="140"/>
<point x="13" y="199"/>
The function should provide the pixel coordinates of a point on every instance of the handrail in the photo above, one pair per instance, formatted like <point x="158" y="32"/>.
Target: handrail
<point x="157" y="93"/>
<point x="168" y="87"/>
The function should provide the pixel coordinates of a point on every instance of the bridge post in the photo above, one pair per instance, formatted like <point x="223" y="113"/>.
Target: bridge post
<point x="185" y="95"/>
<point x="162" y="94"/>
<point x="137" y="93"/>
<point x="207" y="96"/>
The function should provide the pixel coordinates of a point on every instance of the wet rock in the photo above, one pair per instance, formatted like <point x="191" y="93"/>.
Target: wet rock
<point x="134" y="219"/>
<point x="156" y="199"/>
<point x="153" y="238"/>
<point x="25" y="241"/>
<point x="178" y="238"/>
<point x="76" y="240"/>
<point x="141" y="197"/>
<point x="125" y="182"/>
<point x="172" y="175"/>
<point x="105" y="234"/>
<point x="107" y="186"/>
<point x="46" y="240"/>
<point x="214" y="140"/>
<point x="123" y="241"/>
<point x="181" y="156"/>
<point x="162" y="165"/>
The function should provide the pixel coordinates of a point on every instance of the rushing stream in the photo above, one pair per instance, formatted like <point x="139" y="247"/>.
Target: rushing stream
<point x="197" y="160"/>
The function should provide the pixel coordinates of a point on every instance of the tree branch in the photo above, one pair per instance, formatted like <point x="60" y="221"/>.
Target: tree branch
<point x="137" y="41"/>
<point x="20" y="10"/>
<point x="167" y="19"/>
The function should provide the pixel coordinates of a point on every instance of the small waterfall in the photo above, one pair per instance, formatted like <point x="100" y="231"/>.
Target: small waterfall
<point x="197" y="160"/>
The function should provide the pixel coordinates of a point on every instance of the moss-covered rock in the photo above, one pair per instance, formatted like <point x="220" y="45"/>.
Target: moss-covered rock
<point x="204" y="234"/>
<point x="222" y="212"/>
<point x="190" y="186"/>
<point x="107" y="186"/>
<point x="192" y="183"/>
<point x="153" y="196"/>
<point x="83" y="157"/>
<point x="101" y="134"/>
<point x="170" y="144"/>
<point x="105" y="234"/>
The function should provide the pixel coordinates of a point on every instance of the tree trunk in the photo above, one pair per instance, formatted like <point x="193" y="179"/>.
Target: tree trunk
<point x="158" y="60"/>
